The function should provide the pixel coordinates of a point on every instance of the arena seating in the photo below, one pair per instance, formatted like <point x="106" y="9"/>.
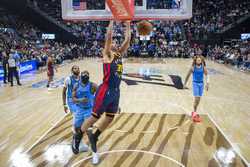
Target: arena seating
<point x="168" y="39"/>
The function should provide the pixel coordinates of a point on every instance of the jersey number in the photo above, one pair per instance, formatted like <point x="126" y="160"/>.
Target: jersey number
<point x="119" y="69"/>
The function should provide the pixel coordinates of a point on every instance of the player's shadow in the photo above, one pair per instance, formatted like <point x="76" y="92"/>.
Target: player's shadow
<point x="163" y="144"/>
<point x="134" y="144"/>
<point x="221" y="141"/>
<point x="186" y="150"/>
<point x="177" y="81"/>
<point x="209" y="136"/>
<point x="212" y="163"/>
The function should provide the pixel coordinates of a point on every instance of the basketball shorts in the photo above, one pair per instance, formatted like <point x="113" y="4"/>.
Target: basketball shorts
<point x="198" y="88"/>
<point x="106" y="100"/>
<point x="80" y="115"/>
<point x="50" y="73"/>
<point x="72" y="106"/>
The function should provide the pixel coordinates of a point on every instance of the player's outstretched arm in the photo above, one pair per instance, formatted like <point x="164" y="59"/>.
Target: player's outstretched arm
<point x="108" y="42"/>
<point x="187" y="77"/>
<point x="64" y="99"/>
<point x="126" y="43"/>
<point x="207" y="77"/>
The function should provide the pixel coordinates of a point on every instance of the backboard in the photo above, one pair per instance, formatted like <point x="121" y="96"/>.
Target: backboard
<point x="144" y="10"/>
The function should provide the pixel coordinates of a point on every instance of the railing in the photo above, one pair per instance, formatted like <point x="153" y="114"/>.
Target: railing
<point x="51" y="19"/>
<point x="228" y="27"/>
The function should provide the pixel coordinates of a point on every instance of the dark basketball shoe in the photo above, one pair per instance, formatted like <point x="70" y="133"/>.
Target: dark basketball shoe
<point x="92" y="140"/>
<point x="76" y="142"/>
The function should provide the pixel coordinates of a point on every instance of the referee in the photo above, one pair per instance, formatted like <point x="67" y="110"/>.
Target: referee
<point x="13" y="69"/>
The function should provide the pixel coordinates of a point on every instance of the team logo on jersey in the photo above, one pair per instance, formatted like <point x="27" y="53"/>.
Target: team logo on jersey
<point x="119" y="69"/>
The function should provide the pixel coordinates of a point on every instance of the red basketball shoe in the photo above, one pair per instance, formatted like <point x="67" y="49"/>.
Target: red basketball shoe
<point x="196" y="117"/>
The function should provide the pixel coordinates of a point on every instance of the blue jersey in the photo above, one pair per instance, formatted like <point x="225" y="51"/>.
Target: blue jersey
<point x="70" y="82"/>
<point x="198" y="74"/>
<point x="84" y="91"/>
<point x="113" y="73"/>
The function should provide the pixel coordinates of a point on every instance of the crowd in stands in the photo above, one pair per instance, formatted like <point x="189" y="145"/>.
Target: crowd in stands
<point x="15" y="24"/>
<point x="38" y="50"/>
<point x="166" y="40"/>
<point x="25" y="40"/>
<point x="209" y="16"/>
<point x="236" y="54"/>
<point x="212" y="16"/>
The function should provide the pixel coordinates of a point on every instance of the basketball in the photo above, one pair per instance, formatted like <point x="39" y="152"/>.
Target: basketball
<point x="144" y="27"/>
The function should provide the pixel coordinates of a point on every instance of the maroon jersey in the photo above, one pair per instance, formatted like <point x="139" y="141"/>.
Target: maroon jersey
<point x="113" y="73"/>
<point x="50" y="68"/>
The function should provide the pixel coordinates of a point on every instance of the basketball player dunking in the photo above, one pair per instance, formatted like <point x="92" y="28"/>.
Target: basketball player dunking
<point x="198" y="70"/>
<point x="108" y="94"/>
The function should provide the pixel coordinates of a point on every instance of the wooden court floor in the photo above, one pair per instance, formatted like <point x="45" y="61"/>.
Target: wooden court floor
<point x="163" y="139"/>
<point x="29" y="112"/>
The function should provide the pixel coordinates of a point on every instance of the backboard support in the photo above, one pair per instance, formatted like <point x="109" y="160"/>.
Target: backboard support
<point x="80" y="10"/>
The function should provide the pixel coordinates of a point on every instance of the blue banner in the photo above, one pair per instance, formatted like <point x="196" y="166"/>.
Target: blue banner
<point x="24" y="67"/>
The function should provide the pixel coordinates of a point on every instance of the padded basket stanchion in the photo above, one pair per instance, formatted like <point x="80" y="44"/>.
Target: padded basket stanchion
<point x="122" y="9"/>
